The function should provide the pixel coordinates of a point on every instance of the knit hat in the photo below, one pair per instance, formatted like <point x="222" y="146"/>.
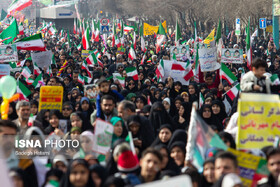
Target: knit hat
<point x="127" y="162"/>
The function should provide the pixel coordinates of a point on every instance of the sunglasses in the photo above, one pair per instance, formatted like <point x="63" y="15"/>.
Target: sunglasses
<point x="131" y="84"/>
<point x="67" y="109"/>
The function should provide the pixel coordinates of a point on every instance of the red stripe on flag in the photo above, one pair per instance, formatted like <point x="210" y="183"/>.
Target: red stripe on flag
<point x="231" y="95"/>
<point x="177" y="67"/>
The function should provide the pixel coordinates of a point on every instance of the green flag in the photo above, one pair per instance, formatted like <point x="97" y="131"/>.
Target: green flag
<point x="161" y="30"/>
<point x="136" y="28"/>
<point x="3" y="14"/>
<point x="178" y="33"/>
<point x="219" y="32"/>
<point x="11" y="31"/>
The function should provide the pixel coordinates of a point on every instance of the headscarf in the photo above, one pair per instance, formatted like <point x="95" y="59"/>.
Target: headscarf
<point x="222" y="115"/>
<point x="213" y="119"/>
<point x="100" y="171"/>
<point x="66" y="181"/>
<point x="113" y="121"/>
<point x="159" y="116"/>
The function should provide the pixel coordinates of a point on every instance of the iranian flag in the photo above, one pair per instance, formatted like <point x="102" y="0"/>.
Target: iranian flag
<point x="26" y="72"/>
<point x="79" y="47"/>
<point x="132" y="72"/>
<point x="37" y="71"/>
<point x="177" y="34"/>
<point x="38" y="81"/>
<point x="31" y="43"/>
<point x="85" y="40"/>
<point x="248" y="46"/>
<point x="21" y="29"/>
<point x="97" y="31"/>
<point x="18" y="5"/>
<point x="23" y="91"/>
<point x="160" y="69"/>
<point x="160" y="37"/>
<point x="227" y="75"/>
<point x="92" y="30"/>
<point x="85" y="67"/>
<point x="10" y="32"/>
<point x="49" y="71"/>
<point x="75" y="27"/>
<point x="143" y="59"/>
<point x="121" y="80"/>
<point x="92" y="60"/>
<point x="233" y="92"/>
<point x="52" y="30"/>
<point x="142" y="41"/>
<point x="128" y="28"/>
<point x="81" y="79"/>
<point x="188" y="72"/>
<point x="131" y="53"/>
<point x="196" y="68"/>
<point x="201" y="99"/>
<point x="87" y="79"/>
<point x="275" y="79"/>
<point x="29" y="81"/>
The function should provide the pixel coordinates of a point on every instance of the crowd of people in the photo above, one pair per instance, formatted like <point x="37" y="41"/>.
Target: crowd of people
<point x="157" y="113"/>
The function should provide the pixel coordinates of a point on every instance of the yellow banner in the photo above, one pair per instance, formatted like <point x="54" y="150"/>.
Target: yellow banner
<point x="51" y="97"/>
<point x="210" y="37"/>
<point x="247" y="164"/>
<point x="258" y="123"/>
<point x="85" y="53"/>
<point x="150" y="29"/>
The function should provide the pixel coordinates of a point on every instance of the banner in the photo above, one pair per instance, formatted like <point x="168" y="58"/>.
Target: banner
<point x="258" y="121"/>
<point x="85" y="53"/>
<point x="8" y="53"/>
<point x="150" y="29"/>
<point x="4" y="70"/>
<point x="51" y="97"/>
<point x="208" y="59"/>
<point x="42" y="58"/>
<point x="103" y="132"/>
<point x="248" y="164"/>
<point x="182" y="52"/>
<point x="232" y="56"/>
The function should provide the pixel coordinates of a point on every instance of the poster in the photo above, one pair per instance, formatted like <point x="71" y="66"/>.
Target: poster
<point x="232" y="56"/>
<point x="4" y="70"/>
<point x="182" y="52"/>
<point x="178" y="181"/>
<point x="208" y="59"/>
<point x="85" y="53"/>
<point x="90" y="91"/>
<point x="258" y="121"/>
<point x="248" y="164"/>
<point x="103" y="133"/>
<point x="42" y="58"/>
<point x="8" y="53"/>
<point x="51" y="97"/>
